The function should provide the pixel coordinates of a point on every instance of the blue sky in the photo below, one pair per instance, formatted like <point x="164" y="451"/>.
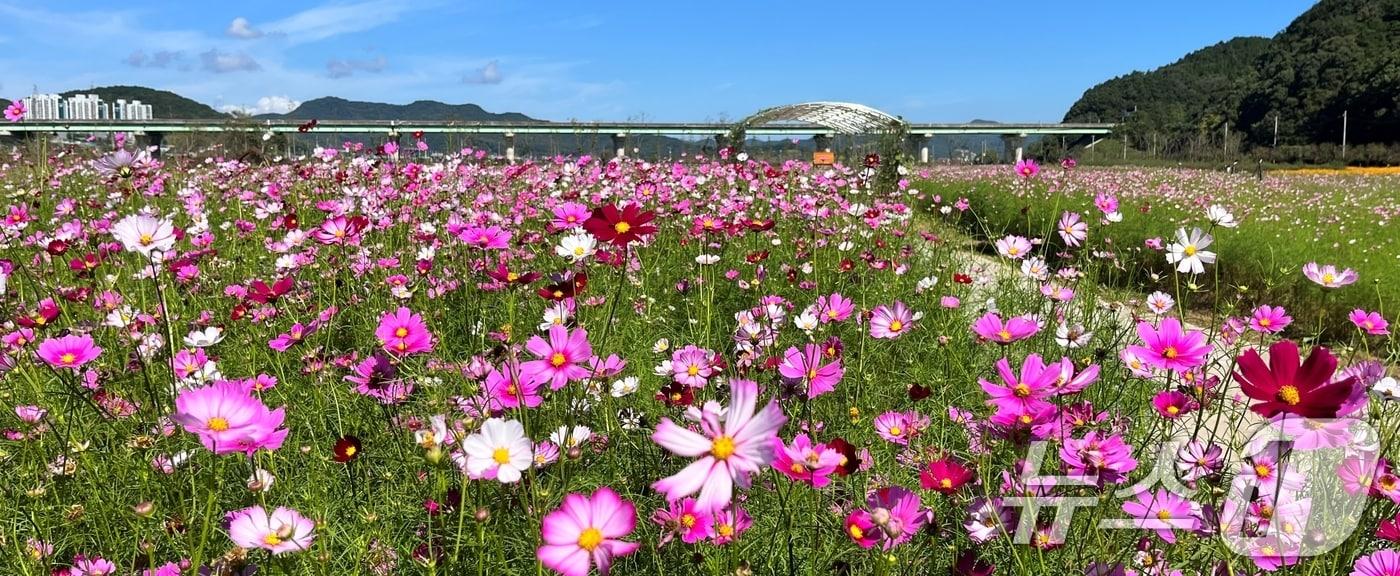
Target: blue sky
<point x="928" y="61"/>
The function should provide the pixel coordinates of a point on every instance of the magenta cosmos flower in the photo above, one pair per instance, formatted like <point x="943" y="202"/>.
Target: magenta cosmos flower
<point x="1269" y="319"/>
<point x="587" y="530"/>
<point x="285" y="530"/>
<point x="896" y="513"/>
<point x="485" y="237"/>
<point x="561" y="359"/>
<point x="891" y="323"/>
<point x="1378" y="563"/>
<point x="990" y="327"/>
<point x="1027" y="168"/>
<point x="1163" y="512"/>
<point x="728" y="451"/>
<point x="1327" y="275"/>
<point x="15" y="111"/>
<point x="806" y="366"/>
<point x="1370" y="322"/>
<point x="685" y="520"/>
<point x="834" y="308"/>
<point x="1023" y="394"/>
<point x="804" y="461"/>
<point x="69" y="351"/>
<point x="1168" y="347"/>
<point x="403" y="333"/>
<point x="228" y="419"/>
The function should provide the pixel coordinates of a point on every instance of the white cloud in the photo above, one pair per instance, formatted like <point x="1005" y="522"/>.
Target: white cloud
<point x="265" y="105"/>
<point x="240" y="28"/>
<point x="157" y="59"/>
<point x="220" y="62"/>
<point x="338" y="68"/>
<point x="488" y="74"/>
<point x="335" y="19"/>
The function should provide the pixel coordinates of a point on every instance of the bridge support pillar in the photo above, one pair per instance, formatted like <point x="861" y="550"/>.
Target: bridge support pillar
<point x="721" y="142"/>
<point x="1013" y="146"/>
<point x="509" y="146"/>
<point x="620" y="143"/>
<point x="919" y="144"/>
<point x="155" y="140"/>
<point x="823" y="142"/>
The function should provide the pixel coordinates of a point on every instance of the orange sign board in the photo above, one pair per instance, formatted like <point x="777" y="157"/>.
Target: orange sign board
<point x="823" y="158"/>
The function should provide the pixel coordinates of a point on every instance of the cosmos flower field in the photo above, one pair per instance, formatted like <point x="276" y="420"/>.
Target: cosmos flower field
<point x="381" y="362"/>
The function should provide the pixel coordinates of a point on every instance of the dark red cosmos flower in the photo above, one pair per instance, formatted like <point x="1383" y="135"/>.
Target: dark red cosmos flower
<point x="347" y="448"/>
<point x="760" y="225"/>
<point x="872" y="160"/>
<point x="307" y="126"/>
<point x="968" y="564"/>
<point x="261" y="293"/>
<point x="962" y="278"/>
<point x="1285" y="387"/>
<point x="676" y="394"/>
<point x="619" y="227"/>
<point x="290" y="221"/>
<point x="850" y="457"/>
<point x="918" y="392"/>
<point x="945" y="475"/>
<point x="1389" y="529"/>
<point x="557" y="291"/>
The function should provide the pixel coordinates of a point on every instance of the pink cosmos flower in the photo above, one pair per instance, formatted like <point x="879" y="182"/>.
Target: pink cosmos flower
<point x="71" y="351"/>
<point x="144" y="234"/>
<point x="897" y="513"/>
<point x="1269" y="319"/>
<point x="291" y="337"/>
<point x="1027" y="168"/>
<point x="569" y="215"/>
<point x="1162" y="511"/>
<point x="891" y="323"/>
<point x="894" y="427"/>
<point x="1172" y="404"/>
<point x="804" y="461"/>
<point x="684" y="519"/>
<point x="285" y="530"/>
<point x="1378" y="563"/>
<point x="861" y="530"/>
<point x="341" y="230"/>
<point x="691" y="366"/>
<point x="228" y="419"/>
<point x="1073" y="229"/>
<point x="1013" y="247"/>
<point x="376" y="377"/>
<point x="990" y="327"/>
<point x="1107" y="458"/>
<point x="561" y="359"/>
<point x="485" y="237"/>
<point x="509" y="389"/>
<point x="834" y="308"/>
<point x="729" y="524"/>
<point x="1168" y="347"/>
<point x="403" y="333"/>
<point x="587" y="530"/>
<point x="1370" y="322"/>
<point x="95" y="566"/>
<point x="15" y="111"/>
<point x="806" y="366"/>
<point x="728" y="451"/>
<point x="1025" y="393"/>
<point x="1327" y="275"/>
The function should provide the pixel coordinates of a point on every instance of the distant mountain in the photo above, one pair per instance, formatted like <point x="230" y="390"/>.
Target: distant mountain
<point x="1203" y="88"/>
<point x="164" y="104"/>
<point x="332" y="108"/>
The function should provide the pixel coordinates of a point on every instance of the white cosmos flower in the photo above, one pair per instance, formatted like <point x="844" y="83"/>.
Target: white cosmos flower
<point x="1160" y="303"/>
<point x="577" y="247"/>
<point x="662" y="369"/>
<point x="1189" y="252"/>
<point x="1114" y="216"/>
<point x="1034" y="267"/>
<point x="566" y="439"/>
<point x="205" y="338"/>
<point x="806" y="321"/>
<point x="660" y="346"/>
<point x="1386" y="389"/>
<point x="1072" y="336"/>
<point x="557" y="314"/>
<point x="925" y="284"/>
<point x="261" y="480"/>
<point x="144" y="234"/>
<point x="706" y="259"/>
<point x="1220" y="216"/>
<point x="120" y="318"/>
<point x="625" y="386"/>
<point x="499" y="450"/>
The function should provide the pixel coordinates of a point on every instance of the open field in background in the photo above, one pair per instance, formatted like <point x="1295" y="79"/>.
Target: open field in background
<point x="437" y="364"/>
<point x="1285" y="221"/>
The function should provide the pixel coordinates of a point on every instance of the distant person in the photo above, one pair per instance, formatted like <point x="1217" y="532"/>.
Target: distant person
<point x="1259" y="170"/>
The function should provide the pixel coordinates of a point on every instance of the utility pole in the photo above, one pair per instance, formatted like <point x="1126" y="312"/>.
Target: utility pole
<point x="1226" y="142"/>
<point x="1344" y="134"/>
<point x="1275" y="129"/>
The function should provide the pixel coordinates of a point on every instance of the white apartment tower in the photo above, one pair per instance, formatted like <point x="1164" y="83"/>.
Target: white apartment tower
<point x="83" y="107"/>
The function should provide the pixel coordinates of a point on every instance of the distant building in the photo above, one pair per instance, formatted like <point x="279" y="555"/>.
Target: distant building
<point x="83" y="107"/>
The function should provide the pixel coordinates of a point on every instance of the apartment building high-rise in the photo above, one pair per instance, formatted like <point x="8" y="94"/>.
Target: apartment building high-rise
<point x="83" y="107"/>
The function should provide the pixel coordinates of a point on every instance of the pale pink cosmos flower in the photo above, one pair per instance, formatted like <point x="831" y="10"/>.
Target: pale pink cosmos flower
<point x="804" y="461"/>
<point x="729" y="451"/>
<point x="1013" y="247"/>
<point x="692" y="366"/>
<point x="834" y="308"/>
<point x="284" y="530"/>
<point x="1163" y="512"/>
<point x="71" y="351"/>
<point x="95" y="566"/>
<point x="1073" y="229"/>
<point x="1370" y="322"/>
<point x="145" y="234"/>
<point x="990" y="327"/>
<point x="806" y="366"/>
<point x="894" y="427"/>
<point x="485" y="237"/>
<point x="587" y="530"/>
<point x="1327" y="275"/>
<point x="891" y="323"/>
<point x="560" y="359"/>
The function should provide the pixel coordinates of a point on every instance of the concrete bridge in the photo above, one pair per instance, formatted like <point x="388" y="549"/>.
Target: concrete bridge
<point x="820" y="120"/>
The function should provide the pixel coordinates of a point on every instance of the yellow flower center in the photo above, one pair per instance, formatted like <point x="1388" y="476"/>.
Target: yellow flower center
<point x="217" y="424"/>
<point x="797" y="468"/>
<point x="812" y="374"/>
<point x="557" y="360"/>
<point x="590" y="539"/>
<point x="831" y="314"/>
<point x="272" y="539"/>
<point x="1265" y="322"/>
<point x="501" y="456"/>
<point x="512" y="276"/>
<point x="896" y="326"/>
<point x="1173" y="410"/>
<point x="622" y="227"/>
<point x="1164" y="514"/>
<point x="68" y="358"/>
<point x="946" y="483"/>
<point x="856" y="532"/>
<point x="726" y="530"/>
<point x="1022" y="390"/>
<point x="1262" y="471"/>
<point x="1328" y="278"/>
<point x="578" y="251"/>
<point x="1289" y="395"/>
<point x="1170" y="352"/>
<point x="351" y="450"/>
<point x="401" y="332"/>
<point x="1013" y="250"/>
<point x="1190" y="250"/>
<point x="896" y="430"/>
<point x="692" y="370"/>
<point x="722" y="447"/>
<point x="688" y="520"/>
<point x="1005" y="335"/>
